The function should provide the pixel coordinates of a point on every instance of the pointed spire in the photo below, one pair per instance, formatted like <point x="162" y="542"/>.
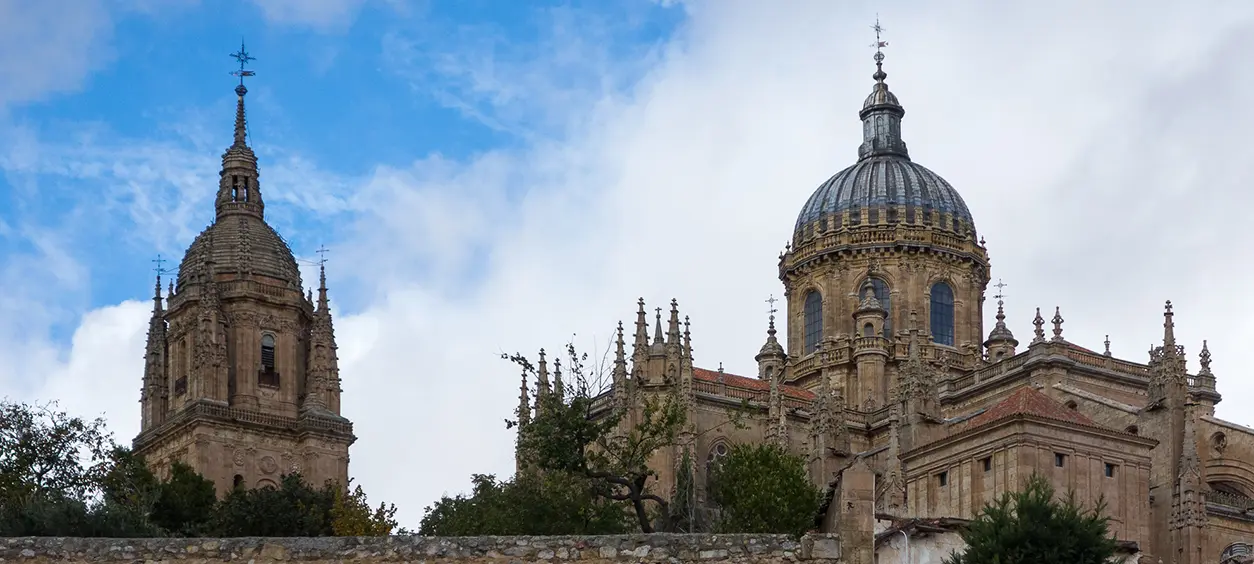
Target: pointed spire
<point x="687" y="339"/>
<point x="772" y="348"/>
<point x="658" y="340"/>
<point x="559" y="389"/>
<point x="1169" y="326"/>
<point x="881" y="112"/>
<point x="1057" y="321"/>
<point x="620" y="352"/>
<point x="238" y="188"/>
<point x="156" y="297"/>
<point x="524" y="403"/>
<point x="672" y="329"/>
<point x="542" y="378"/>
<point x="1039" y="332"/>
<point x="642" y="328"/>
<point x="323" y="302"/>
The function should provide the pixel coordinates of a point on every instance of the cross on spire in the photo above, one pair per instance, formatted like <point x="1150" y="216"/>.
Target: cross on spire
<point x="879" y="44"/>
<point x="771" y="300"/>
<point x="243" y="57"/>
<point x="160" y="269"/>
<point x="1000" y="285"/>
<point x="322" y="255"/>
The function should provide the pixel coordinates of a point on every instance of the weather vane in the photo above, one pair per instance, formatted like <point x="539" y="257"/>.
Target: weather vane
<point x="322" y="253"/>
<point x="243" y="58"/>
<point x="878" y="30"/>
<point x="160" y="265"/>
<point x="999" y="285"/>
<point x="771" y="300"/>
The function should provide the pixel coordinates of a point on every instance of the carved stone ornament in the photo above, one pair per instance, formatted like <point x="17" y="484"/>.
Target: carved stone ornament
<point x="238" y="457"/>
<point x="268" y="465"/>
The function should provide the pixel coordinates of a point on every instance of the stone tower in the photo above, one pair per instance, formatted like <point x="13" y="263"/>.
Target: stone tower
<point x="241" y="379"/>
<point x="881" y="238"/>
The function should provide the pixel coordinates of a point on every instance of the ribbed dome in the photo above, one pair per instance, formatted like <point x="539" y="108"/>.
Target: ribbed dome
<point x="883" y="183"/>
<point x="240" y="242"/>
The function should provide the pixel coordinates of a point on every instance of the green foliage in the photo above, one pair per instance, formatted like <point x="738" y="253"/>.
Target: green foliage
<point x="187" y="502"/>
<point x="763" y="489"/>
<point x="683" y="516"/>
<point x="1029" y="526"/>
<point x="294" y="509"/>
<point x="46" y="454"/>
<point x="564" y="436"/>
<point x="351" y="515"/>
<point x="63" y="476"/>
<point x="533" y="503"/>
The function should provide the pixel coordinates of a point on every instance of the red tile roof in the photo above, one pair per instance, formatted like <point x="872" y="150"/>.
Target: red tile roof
<point x="753" y="384"/>
<point x="1028" y="401"/>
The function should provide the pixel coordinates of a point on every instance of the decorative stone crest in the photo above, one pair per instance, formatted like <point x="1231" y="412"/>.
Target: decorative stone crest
<point x="268" y="465"/>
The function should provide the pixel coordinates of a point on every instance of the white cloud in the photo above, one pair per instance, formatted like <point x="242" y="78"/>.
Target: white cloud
<point x="49" y="46"/>
<point x="323" y="15"/>
<point x="1102" y="152"/>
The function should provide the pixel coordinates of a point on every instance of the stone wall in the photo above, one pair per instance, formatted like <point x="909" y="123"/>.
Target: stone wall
<point x="747" y="549"/>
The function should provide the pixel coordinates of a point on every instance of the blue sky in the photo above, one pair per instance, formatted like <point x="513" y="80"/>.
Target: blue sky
<point x="391" y="84"/>
<point x="499" y="175"/>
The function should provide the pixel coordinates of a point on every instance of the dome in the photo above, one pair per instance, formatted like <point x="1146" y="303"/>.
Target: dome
<point x="236" y="242"/>
<point x="885" y="182"/>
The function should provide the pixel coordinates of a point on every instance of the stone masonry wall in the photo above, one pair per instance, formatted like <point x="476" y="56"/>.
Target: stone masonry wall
<point x="746" y="549"/>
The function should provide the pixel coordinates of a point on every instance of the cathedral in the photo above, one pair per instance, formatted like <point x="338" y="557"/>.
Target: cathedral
<point x="240" y="378"/>
<point x="911" y="416"/>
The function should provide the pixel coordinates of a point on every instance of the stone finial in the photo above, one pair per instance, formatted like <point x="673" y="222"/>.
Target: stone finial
<point x="1057" y="321"/>
<point x="1204" y="359"/>
<point x="1039" y="323"/>
<point x="1107" y="343"/>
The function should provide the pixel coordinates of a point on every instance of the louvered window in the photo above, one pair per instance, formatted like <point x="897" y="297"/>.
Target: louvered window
<point x="268" y="377"/>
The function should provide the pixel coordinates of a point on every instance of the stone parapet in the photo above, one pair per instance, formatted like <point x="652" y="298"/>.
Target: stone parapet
<point x="748" y="549"/>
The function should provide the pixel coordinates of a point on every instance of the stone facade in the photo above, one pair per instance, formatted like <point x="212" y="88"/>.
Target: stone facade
<point x="904" y="406"/>
<point x="745" y="549"/>
<point x="241" y="380"/>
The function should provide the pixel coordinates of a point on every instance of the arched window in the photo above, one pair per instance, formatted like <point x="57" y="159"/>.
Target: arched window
<point x="269" y="376"/>
<point x="712" y="462"/>
<point x="884" y="297"/>
<point x="238" y="482"/>
<point x="813" y="321"/>
<point x="942" y="314"/>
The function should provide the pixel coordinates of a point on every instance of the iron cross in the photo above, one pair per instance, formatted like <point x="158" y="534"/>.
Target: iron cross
<point x="243" y="58"/>
<point x="771" y="300"/>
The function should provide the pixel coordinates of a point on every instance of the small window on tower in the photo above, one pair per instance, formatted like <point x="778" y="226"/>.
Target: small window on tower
<point x="942" y="479"/>
<point x="988" y="463"/>
<point x="1110" y="470"/>
<point x="268" y="376"/>
<point x="1060" y="459"/>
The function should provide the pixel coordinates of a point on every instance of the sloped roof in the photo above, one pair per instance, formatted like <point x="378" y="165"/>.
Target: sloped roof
<point x="1029" y="401"/>
<point x="753" y="384"/>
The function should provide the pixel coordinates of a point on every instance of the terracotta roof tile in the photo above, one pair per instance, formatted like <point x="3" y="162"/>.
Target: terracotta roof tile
<point x="753" y="384"/>
<point x="1029" y="401"/>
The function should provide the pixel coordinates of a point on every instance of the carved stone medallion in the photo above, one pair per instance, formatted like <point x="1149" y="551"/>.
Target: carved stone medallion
<point x="268" y="465"/>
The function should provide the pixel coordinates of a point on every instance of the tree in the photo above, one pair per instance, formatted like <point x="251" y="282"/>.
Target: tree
<point x="294" y="509"/>
<point x="186" y="504"/>
<point x="533" y="503"/>
<point x="1030" y="526"/>
<point x="567" y="436"/>
<point x="763" y="489"/>
<point x="351" y="515"/>
<point x="64" y="476"/>
<point x="45" y="453"/>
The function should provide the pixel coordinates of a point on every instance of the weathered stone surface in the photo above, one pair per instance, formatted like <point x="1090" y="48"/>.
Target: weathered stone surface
<point x="746" y="549"/>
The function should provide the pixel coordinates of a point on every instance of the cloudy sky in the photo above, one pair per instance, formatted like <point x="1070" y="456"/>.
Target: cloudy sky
<point x="496" y="176"/>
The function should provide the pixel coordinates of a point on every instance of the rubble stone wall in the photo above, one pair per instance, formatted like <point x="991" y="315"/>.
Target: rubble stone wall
<point x="746" y="549"/>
